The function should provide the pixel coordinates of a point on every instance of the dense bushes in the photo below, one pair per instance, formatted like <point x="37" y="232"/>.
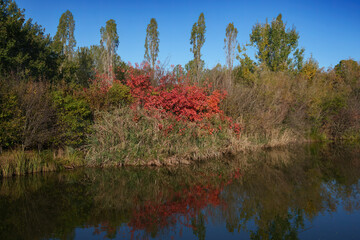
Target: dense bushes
<point x="176" y="97"/>
<point x="101" y="95"/>
<point x="34" y="115"/>
<point x="176" y="119"/>
<point x="315" y="103"/>
<point x="74" y="119"/>
<point x="27" y="115"/>
<point x="167" y="123"/>
<point x="11" y="119"/>
<point x="40" y="124"/>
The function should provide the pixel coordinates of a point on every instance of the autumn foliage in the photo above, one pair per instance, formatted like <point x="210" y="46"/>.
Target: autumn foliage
<point x="177" y="97"/>
<point x="170" y="119"/>
<point x="176" y="207"/>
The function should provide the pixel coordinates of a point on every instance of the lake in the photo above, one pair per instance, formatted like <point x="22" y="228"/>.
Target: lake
<point x="297" y="192"/>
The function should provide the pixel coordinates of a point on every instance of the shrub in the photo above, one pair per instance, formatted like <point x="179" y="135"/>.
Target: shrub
<point x="11" y="120"/>
<point x="264" y="105"/>
<point x="74" y="119"/>
<point x="175" y="97"/>
<point x="118" y="95"/>
<point x="101" y="95"/>
<point x="40" y="119"/>
<point x="349" y="70"/>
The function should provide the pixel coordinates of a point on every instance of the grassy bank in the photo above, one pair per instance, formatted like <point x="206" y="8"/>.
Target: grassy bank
<point x="119" y="141"/>
<point x="128" y="137"/>
<point x="20" y="162"/>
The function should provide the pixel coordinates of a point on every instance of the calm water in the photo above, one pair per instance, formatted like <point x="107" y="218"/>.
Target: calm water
<point x="302" y="192"/>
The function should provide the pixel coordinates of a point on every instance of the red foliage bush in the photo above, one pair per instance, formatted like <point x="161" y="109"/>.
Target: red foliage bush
<point x="175" y="96"/>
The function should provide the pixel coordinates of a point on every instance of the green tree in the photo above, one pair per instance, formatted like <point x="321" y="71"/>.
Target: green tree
<point x="191" y="68"/>
<point x="85" y="66"/>
<point x="152" y="43"/>
<point x="245" y="72"/>
<point x="197" y="40"/>
<point x="96" y="52"/>
<point x="120" y="69"/>
<point x="309" y="68"/>
<point x="24" y="48"/>
<point x="64" y="40"/>
<point x="178" y="71"/>
<point x="275" y="44"/>
<point x="64" y="44"/>
<point x="230" y="43"/>
<point x="349" y="70"/>
<point x="110" y="42"/>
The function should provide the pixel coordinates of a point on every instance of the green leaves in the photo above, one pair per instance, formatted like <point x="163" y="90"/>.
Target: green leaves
<point x="11" y="120"/>
<point x="197" y="40"/>
<point x="275" y="44"/>
<point x="64" y="40"/>
<point x="110" y="42"/>
<point x="74" y="119"/>
<point x="24" y="47"/>
<point x="230" y="43"/>
<point x="152" y="42"/>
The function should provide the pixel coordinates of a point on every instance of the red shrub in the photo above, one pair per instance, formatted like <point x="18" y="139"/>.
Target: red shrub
<point x="175" y="96"/>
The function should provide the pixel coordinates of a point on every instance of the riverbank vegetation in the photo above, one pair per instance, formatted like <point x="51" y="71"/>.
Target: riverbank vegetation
<point x="65" y="107"/>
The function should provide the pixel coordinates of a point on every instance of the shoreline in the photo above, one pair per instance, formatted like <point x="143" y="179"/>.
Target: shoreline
<point x="21" y="163"/>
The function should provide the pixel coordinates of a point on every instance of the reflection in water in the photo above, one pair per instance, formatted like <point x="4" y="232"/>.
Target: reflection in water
<point x="277" y="194"/>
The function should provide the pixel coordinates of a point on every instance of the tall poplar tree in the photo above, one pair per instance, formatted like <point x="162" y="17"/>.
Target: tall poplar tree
<point x="230" y="43"/>
<point x="152" y="43"/>
<point x="64" y="40"/>
<point x="197" y="40"/>
<point x="110" y="42"/>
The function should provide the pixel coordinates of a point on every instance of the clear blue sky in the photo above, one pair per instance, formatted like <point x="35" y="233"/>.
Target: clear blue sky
<point x="329" y="30"/>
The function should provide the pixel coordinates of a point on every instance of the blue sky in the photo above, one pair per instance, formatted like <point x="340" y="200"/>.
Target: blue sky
<point x="329" y="30"/>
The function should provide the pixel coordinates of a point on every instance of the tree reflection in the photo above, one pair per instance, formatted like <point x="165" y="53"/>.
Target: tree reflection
<point x="276" y="191"/>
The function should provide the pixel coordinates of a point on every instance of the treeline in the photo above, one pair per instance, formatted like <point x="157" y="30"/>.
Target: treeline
<point x="54" y="96"/>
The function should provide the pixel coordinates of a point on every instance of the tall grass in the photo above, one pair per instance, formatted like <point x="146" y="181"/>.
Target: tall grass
<point x="132" y="137"/>
<point x="20" y="162"/>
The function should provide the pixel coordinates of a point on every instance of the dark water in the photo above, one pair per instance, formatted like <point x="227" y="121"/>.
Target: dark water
<point x="301" y="192"/>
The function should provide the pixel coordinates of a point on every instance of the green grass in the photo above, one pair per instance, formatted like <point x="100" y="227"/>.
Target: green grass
<point x="20" y="162"/>
<point x="133" y="137"/>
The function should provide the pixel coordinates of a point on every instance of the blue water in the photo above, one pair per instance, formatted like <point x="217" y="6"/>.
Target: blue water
<point x="306" y="192"/>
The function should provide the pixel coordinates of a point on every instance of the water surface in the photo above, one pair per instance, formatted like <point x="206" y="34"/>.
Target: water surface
<point x="300" y="192"/>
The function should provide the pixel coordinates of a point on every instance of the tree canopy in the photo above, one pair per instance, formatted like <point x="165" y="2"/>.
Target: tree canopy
<point x="24" y="47"/>
<point x="152" y="42"/>
<point x="275" y="43"/>
<point x="64" y="40"/>
<point x="110" y="42"/>
<point x="197" y="40"/>
<point x="230" y="43"/>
